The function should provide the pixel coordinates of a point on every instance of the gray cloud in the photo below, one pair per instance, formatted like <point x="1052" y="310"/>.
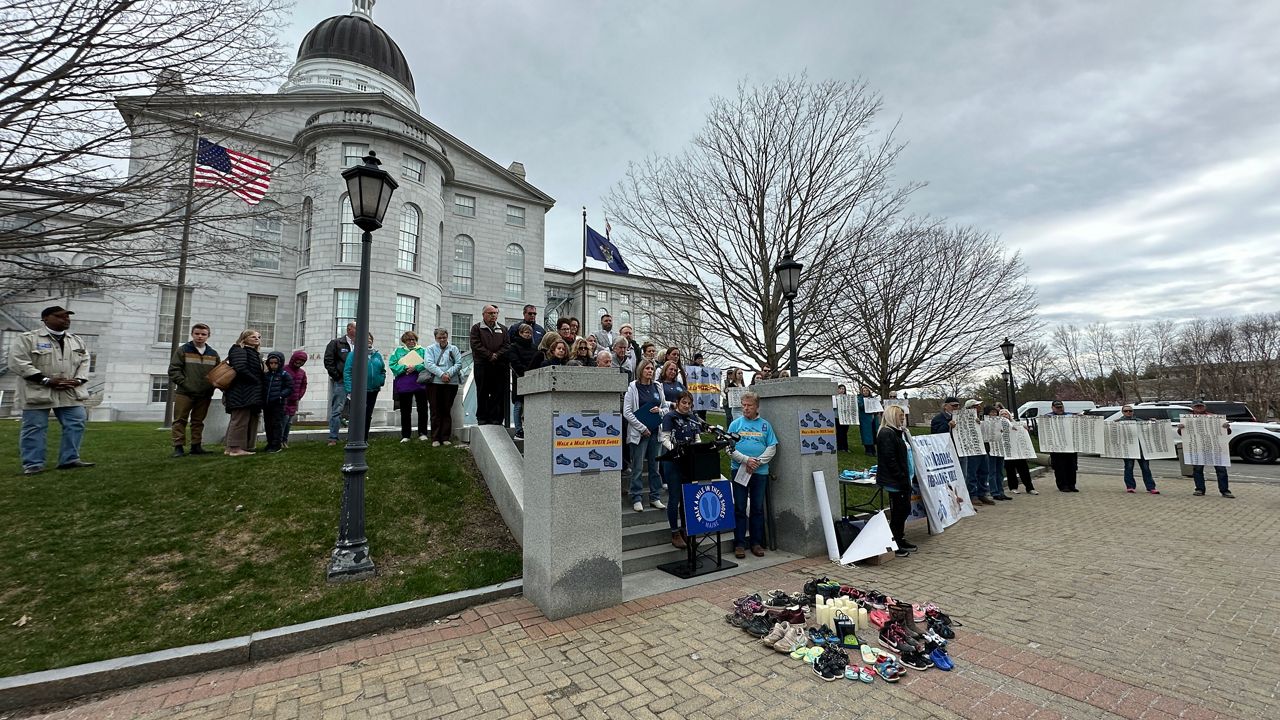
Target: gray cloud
<point x="1128" y="150"/>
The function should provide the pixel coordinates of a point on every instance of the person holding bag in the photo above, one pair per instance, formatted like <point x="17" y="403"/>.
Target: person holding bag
<point x="243" y="398"/>
<point x="407" y="362"/>
<point x="442" y="375"/>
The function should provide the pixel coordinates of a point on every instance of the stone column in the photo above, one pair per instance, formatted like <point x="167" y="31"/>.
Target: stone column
<point x="794" y="501"/>
<point x="572" y="523"/>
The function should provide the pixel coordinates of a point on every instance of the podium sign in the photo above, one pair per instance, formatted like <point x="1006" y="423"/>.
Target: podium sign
<point x="708" y="507"/>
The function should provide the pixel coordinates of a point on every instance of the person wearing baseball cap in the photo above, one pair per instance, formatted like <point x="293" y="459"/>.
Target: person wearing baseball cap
<point x="1065" y="464"/>
<point x="54" y="366"/>
<point x="1197" y="471"/>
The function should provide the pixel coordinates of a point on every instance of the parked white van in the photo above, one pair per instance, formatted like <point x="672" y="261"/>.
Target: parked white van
<point x="1029" y="410"/>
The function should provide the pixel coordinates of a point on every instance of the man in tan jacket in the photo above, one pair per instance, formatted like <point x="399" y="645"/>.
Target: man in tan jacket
<point x="54" y="367"/>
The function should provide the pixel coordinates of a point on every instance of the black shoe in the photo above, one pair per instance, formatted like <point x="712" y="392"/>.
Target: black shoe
<point x="907" y="546"/>
<point x="177" y="451"/>
<point x="901" y="553"/>
<point x="1228" y="495"/>
<point x="1074" y="490"/>
<point x="77" y="463"/>
<point x="274" y="449"/>
<point x="198" y="450"/>
<point x="1198" y="493"/>
<point x="33" y="470"/>
<point x="1003" y="497"/>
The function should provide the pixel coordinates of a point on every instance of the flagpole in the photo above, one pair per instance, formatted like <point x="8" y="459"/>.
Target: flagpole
<point x="582" y="321"/>
<point x="174" y="340"/>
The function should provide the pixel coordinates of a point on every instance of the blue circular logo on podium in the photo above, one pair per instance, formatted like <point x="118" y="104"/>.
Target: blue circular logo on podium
<point x="710" y="506"/>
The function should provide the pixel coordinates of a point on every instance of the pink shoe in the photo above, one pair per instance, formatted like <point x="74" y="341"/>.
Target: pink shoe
<point x="1129" y="490"/>
<point x="1154" y="492"/>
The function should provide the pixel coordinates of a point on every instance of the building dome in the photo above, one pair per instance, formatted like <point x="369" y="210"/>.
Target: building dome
<point x="355" y="38"/>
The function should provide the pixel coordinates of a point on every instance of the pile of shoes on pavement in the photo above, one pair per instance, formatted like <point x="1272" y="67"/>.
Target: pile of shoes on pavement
<point x="882" y="637"/>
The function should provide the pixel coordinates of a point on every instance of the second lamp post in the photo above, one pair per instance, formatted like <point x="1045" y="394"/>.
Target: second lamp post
<point x="1006" y="347"/>
<point x="788" y="272"/>
<point x="369" y="188"/>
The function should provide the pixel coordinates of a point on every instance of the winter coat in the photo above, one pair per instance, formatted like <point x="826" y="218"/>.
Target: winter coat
<point x="377" y="375"/>
<point x="443" y="361"/>
<point x="246" y="389"/>
<point x="941" y="424"/>
<point x="335" y="357"/>
<point x="523" y="357"/>
<point x="36" y="355"/>
<point x="299" y="378"/>
<point x="276" y="386"/>
<point x="406" y="376"/>
<point x="868" y="423"/>
<point x="189" y="370"/>
<point x="891" y="456"/>
<point x="488" y="345"/>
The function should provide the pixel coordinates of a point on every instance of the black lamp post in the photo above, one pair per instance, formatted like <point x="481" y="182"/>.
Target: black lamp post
<point x="788" y="272"/>
<point x="369" y="188"/>
<point x="1006" y="347"/>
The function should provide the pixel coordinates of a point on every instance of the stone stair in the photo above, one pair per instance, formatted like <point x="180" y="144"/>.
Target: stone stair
<point x="646" y="540"/>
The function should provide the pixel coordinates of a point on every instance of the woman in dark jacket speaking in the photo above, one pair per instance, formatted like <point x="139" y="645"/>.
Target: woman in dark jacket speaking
<point x="894" y="473"/>
<point x="244" y="398"/>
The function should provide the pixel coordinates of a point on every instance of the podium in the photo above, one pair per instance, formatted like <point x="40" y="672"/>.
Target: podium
<point x="707" y="511"/>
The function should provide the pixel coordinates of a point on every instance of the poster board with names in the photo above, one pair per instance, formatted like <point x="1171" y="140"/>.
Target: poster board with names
<point x="900" y="402"/>
<point x="967" y="433"/>
<point x="1157" y="440"/>
<point x="1057" y="433"/>
<point x="1204" y="440"/>
<point x="704" y="385"/>
<point x="586" y="442"/>
<point x="846" y="408"/>
<point x="1017" y="440"/>
<point x="1121" y="440"/>
<point x="872" y="404"/>
<point x="734" y="396"/>
<point x="994" y="435"/>
<point x="1089" y="434"/>
<point x="817" y="432"/>
<point x="941" y="481"/>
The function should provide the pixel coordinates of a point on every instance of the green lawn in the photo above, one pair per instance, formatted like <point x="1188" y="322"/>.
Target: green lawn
<point x="146" y="552"/>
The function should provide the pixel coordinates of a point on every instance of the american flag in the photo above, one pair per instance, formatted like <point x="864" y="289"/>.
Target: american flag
<point x="244" y="175"/>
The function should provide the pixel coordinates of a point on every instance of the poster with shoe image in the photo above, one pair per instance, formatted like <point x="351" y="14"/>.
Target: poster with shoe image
<point x="817" y="432"/>
<point x="1089" y="433"/>
<point x="1157" y="440"/>
<point x="1204" y="440"/>
<point x="967" y="433"/>
<point x="704" y="385"/>
<point x="586" y="442"/>
<point x="1057" y="433"/>
<point x="942" y="486"/>
<point x="1121" y="440"/>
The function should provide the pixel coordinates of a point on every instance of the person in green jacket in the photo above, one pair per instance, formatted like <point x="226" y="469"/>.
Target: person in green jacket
<point x="406" y="389"/>
<point x="377" y="377"/>
<point x="192" y="392"/>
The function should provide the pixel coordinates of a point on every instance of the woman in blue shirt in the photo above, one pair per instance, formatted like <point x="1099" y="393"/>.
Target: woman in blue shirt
<point x="672" y="385"/>
<point x="642" y="407"/>
<point x="755" y="448"/>
<point x="679" y="427"/>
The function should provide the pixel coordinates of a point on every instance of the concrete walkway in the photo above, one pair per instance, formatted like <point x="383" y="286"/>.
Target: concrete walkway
<point x="1098" y="604"/>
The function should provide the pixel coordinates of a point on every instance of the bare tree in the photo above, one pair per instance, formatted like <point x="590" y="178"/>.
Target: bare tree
<point x="790" y="168"/>
<point x="1034" y="363"/>
<point x="1099" y="339"/>
<point x="937" y="310"/>
<point x="1068" y="340"/>
<point x="1163" y="336"/>
<point x="1130" y="353"/>
<point x="1259" y="345"/>
<point x="96" y="129"/>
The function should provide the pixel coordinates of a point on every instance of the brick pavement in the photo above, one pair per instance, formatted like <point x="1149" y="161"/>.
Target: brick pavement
<point x="1090" y="605"/>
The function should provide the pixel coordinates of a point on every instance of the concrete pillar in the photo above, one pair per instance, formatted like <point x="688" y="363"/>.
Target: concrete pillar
<point x="794" y="500"/>
<point x="572" y="523"/>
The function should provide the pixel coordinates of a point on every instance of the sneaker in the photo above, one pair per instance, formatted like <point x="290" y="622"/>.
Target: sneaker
<point x="1016" y="491"/>
<point x="177" y="451"/>
<point x="331" y="443"/>
<point x="901" y="553"/>
<point x="1003" y="497"/>
<point x="1033" y="492"/>
<point x="32" y="469"/>
<point x="610" y="462"/>
<point x="776" y="634"/>
<point x="1153" y="491"/>
<point x="562" y="432"/>
<point x="562" y="460"/>
<point x="907" y="546"/>
<point x="611" y="430"/>
<point x="1198" y="493"/>
<point x="436" y="443"/>
<point x="758" y="626"/>
<point x="598" y="422"/>
<point x="1129" y="490"/>
<point x="579" y="463"/>
<point x="793" y="639"/>
<point x="595" y="455"/>
<point x="1228" y="495"/>
<point x="404" y="440"/>
<point x="588" y="432"/>
<point x="573" y="423"/>
<point x="424" y="438"/>
<point x="637" y="506"/>
<point x="448" y="442"/>
<point x="518" y="436"/>
<point x="657" y="505"/>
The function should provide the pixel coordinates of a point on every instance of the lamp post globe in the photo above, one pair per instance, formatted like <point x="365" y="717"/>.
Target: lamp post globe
<point x="788" y="273"/>
<point x="1006" y="347"/>
<point x="369" y="188"/>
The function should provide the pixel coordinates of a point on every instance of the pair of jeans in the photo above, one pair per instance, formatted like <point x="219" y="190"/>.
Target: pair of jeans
<point x="975" y="475"/>
<point x="753" y="493"/>
<point x="1197" y="475"/>
<point x="675" y="494"/>
<point x="288" y="425"/>
<point x="644" y="453"/>
<point x="184" y="406"/>
<point x="35" y="429"/>
<point x="1146" y="474"/>
<point x="337" y="398"/>
<point x="995" y="478"/>
<point x="517" y="415"/>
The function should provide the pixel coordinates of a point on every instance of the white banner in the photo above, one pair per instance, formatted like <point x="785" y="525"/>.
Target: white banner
<point x="735" y="396"/>
<point x="1056" y="433"/>
<point x="1121" y="440"/>
<point x="968" y="437"/>
<point x="1157" y="440"/>
<point x="847" y="409"/>
<point x="1018" y="442"/>
<point x="1090" y="435"/>
<point x="872" y="404"/>
<point x="1204" y="440"/>
<point x="993" y="434"/>
<point x="941" y="481"/>
<point x="900" y="402"/>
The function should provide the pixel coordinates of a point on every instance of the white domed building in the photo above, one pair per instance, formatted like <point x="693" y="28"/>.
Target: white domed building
<point x="462" y="230"/>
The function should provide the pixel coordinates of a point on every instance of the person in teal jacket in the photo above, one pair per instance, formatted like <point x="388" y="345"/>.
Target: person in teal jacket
<point x="868" y="423"/>
<point x="377" y="377"/>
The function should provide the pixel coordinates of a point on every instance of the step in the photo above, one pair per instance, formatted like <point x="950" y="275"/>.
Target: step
<point x="648" y="558"/>
<point x="650" y="515"/>
<point x="647" y="535"/>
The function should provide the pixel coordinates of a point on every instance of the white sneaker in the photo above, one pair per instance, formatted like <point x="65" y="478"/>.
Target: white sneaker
<point x="423" y="438"/>
<point x="436" y="443"/>
<point x="638" y="507"/>
<point x="404" y="440"/>
<point x="1033" y="492"/>
<point x="446" y="442"/>
<point x="657" y="504"/>
<point x="1016" y="491"/>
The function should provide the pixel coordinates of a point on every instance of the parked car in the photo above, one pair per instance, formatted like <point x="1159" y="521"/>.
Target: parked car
<point x="1251" y="442"/>
<point x="1035" y="408"/>
<point x="1235" y="411"/>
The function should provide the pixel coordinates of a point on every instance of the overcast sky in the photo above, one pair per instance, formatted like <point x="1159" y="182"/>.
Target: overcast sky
<point x="1130" y="151"/>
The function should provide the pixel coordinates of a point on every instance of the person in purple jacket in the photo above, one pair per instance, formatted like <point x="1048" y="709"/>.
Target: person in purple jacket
<point x="299" y="377"/>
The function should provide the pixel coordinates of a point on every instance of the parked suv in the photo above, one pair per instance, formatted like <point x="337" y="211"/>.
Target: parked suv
<point x="1251" y="442"/>
<point x="1235" y="411"/>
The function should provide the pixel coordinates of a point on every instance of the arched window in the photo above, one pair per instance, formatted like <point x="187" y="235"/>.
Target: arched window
<point x="90" y="280"/>
<point x="624" y="318"/>
<point x="464" y="257"/>
<point x="601" y="312"/>
<point x="410" y="220"/>
<point x="304" y="244"/>
<point x="349" y="238"/>
<point x="513" y="287"/>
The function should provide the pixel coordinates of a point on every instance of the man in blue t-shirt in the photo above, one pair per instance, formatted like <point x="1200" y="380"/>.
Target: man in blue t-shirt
<point x="755" y="449"/>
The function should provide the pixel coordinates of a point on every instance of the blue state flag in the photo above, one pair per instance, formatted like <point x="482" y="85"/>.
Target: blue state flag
<point x="601" y="248"/>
